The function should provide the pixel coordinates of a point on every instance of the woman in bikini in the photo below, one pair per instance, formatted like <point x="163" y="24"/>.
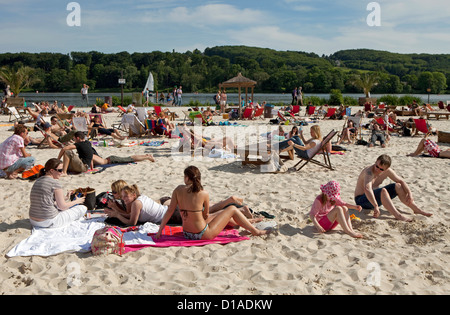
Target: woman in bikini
<point x="193" y="203"/>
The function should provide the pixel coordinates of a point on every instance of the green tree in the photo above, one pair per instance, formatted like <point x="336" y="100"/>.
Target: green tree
<point x="18" y="79"/>
<point x="365" y="82"/>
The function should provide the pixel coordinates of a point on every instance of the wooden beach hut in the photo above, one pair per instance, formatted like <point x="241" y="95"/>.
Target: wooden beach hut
<point x="240" y="82"/>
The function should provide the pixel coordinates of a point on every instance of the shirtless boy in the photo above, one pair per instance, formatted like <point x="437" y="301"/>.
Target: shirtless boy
<point x="369" y="195"/>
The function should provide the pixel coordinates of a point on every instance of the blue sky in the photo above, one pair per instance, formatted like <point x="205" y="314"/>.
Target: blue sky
<point x="319" y="26"/>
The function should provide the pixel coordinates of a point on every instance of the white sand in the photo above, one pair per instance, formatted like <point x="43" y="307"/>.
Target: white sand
<point x="406" y="258"/>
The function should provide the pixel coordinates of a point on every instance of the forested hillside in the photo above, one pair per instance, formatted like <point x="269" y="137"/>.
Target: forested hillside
<point x="275" y="71"/>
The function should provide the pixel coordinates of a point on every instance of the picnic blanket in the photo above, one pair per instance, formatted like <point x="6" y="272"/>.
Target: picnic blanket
<point x="77" y="237"/>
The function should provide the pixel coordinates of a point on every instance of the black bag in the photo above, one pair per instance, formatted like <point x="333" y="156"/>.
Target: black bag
<point x="88" y="193"/>
<point x="406" y="132"/>
<point x="362" y="142"/>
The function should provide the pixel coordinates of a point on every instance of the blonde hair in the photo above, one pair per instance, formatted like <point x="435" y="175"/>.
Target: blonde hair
<point x="133" y="189"/>
<point x="317" y="132"/>
<point x="118" y="185"/>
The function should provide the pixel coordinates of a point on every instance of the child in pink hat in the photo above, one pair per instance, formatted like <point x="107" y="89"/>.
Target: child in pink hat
<point x="328" y="210"/>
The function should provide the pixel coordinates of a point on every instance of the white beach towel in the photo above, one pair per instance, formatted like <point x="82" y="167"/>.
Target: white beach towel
<point x="75" y="237"/>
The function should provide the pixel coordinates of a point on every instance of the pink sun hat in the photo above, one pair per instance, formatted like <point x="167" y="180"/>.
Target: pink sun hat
<point x="333" y="191"/>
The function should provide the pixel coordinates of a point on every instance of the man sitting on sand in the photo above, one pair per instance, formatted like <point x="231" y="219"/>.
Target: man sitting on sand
<point x="13" y="157"/>
<point x="87" y="157"/>
<point x="369" y="196"/>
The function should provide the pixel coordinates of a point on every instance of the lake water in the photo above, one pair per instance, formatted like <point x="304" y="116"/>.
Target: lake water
<point x="75" y="98"/>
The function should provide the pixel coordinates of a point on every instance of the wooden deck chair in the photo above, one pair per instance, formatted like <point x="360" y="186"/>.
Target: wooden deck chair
<point x="259" y="113"/>
<point x="295" y="109"/>
<point x="14" y="115"/>
<point x="247" y="113"/>
<point x="80" y="124"/>
<point x="157" y="109"/>
<point x="422" y="126"/>
<point x="367" y="108"/>
<point x="46" y="135"/>
<point x="330" y="112"/>
<point x="122" y="111"/>
<point x="135" y="127"/>
<point x="326" y="156"/>
<point x="282" y="118"/>
<point x="311" y="110"/>
<point x="383" y="125"/>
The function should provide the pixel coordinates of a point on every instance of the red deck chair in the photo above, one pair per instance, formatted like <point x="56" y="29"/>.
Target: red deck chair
<point x="383" y="125"/>
<point x="295" y="109"/>
<point x="281" y="116"/>
<point x="69" y="109"/>
<point x="422" y="126"/>
<point x="157" y="109"/>
<point x="311" y="110"/>
<point x="441" y="105"/>
<point x="247" y="113"/>
<point x="330" y="112"/>
<point x="259" y="113"/>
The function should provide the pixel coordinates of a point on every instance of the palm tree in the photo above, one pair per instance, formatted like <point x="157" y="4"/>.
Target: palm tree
<point x="366" y="82"/>
<point x="18" y="79"/>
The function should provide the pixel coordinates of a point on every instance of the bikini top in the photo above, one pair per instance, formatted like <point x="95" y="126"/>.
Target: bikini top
<point x="184" y="212"/>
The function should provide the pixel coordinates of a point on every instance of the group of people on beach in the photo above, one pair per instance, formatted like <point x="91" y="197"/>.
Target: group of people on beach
<point x="189" y="204"/>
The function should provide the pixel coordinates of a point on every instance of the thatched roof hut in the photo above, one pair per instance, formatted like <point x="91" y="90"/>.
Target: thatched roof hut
<point x="240" y="82"/>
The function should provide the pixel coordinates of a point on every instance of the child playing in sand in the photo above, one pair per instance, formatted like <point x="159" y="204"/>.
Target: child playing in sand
<point x="328" y="210"/>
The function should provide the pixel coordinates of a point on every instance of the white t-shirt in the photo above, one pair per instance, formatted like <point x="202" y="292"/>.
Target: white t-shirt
<point x="314" y="150"/>
<point x="151" y="210"/>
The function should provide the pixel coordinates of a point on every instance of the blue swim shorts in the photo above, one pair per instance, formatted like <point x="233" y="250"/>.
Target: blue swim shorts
<point x="365" y="203"/>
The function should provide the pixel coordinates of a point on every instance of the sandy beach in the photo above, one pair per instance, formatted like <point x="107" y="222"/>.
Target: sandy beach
<point x="393" y="257"/>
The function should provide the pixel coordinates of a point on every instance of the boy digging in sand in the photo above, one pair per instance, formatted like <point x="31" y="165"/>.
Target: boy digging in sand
<point x="369" y="195"/>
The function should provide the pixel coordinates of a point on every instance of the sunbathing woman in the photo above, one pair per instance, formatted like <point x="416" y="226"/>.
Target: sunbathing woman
<point x="193" y="202"/>
<point x="130" y="207"/>
<point x="310" y="146"/>
<point x="347" y="133"/>
<point x="207" y="143"/>
<point x="96" y="123"/>
<point x="431" y="148"/>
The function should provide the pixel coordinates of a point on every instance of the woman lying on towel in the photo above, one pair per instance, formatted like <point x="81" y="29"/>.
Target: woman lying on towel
<point x="48" y="206"/>
<point x="431" y="148"/>
<point x="131" y="208"/>
<point x="193" y="203"/>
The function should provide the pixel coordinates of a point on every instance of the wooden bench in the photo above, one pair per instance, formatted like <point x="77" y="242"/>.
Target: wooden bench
<point x="437" y="115"/>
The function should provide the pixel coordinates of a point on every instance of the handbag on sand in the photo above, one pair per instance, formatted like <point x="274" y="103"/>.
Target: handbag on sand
<point x="88" y="193"/>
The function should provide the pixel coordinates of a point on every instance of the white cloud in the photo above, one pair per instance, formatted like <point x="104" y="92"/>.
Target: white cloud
<point x="211" y="14"/>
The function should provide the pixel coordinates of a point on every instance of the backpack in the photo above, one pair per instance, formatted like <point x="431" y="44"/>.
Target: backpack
<point x="33" y="172"/>
<point x="108" y="240"/>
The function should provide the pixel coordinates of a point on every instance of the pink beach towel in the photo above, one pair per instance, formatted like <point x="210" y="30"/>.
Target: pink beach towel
<point x="173" y="236"/>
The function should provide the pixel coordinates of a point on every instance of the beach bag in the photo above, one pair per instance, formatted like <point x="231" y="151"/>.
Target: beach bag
<point x="108" y="240"/>
<point x="33" y="172"/>
<point x="88" y="193"/>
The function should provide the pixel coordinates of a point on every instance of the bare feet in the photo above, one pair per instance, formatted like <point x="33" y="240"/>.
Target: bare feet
<point x="427" y="214"/>
<point x="150" y="157"/>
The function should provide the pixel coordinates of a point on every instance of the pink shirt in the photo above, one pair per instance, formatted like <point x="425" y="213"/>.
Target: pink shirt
<point x="319" y="211"/>
<point x="10" y="151"/>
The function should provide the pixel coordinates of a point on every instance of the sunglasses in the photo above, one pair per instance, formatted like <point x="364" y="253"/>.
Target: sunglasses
<point x="60" y="170"/>
<point x="381" y="169"/>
